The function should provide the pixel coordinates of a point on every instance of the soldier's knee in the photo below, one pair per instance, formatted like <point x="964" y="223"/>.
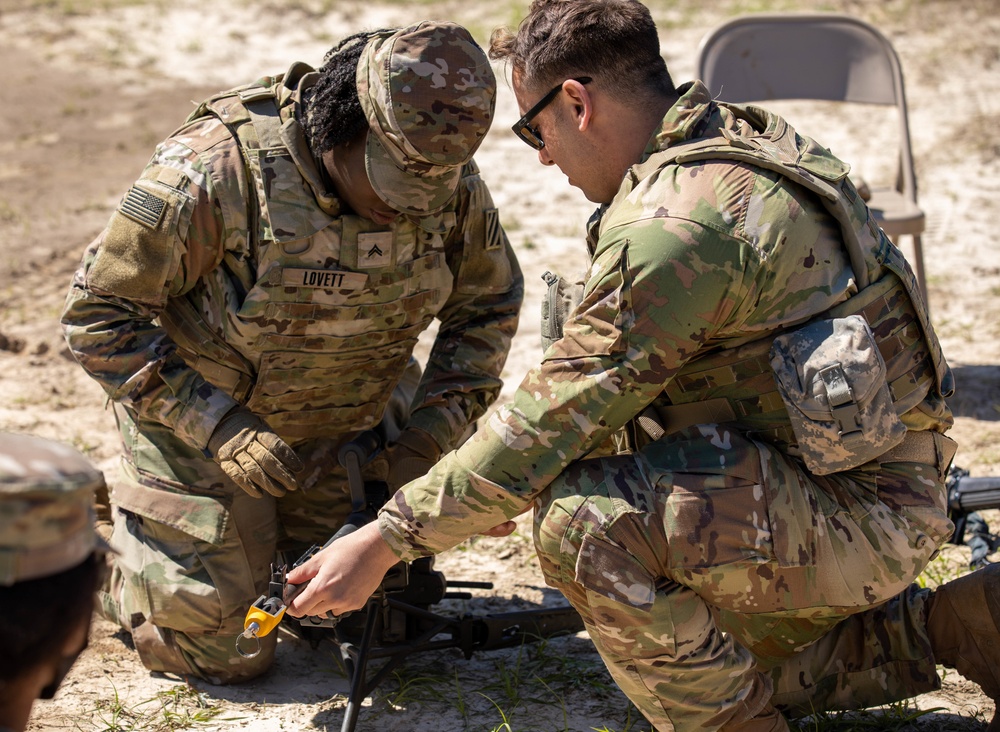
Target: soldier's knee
<point x="583" y="500"/>
<point x="556" y="543"/>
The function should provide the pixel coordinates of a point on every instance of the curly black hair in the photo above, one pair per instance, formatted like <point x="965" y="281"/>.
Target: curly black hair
<point x="333" y="111"/>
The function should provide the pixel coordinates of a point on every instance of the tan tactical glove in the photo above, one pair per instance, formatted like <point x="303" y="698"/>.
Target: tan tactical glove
<point x="412" y="454"/>
<point x="253" y="455"/>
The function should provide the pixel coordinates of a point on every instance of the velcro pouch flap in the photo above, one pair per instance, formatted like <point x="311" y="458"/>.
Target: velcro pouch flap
<point x="203" y="517"/>
<point x="832" y="380"/>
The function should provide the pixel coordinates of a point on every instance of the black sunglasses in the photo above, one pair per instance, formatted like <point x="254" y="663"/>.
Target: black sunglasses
<point x="525" y="131"/>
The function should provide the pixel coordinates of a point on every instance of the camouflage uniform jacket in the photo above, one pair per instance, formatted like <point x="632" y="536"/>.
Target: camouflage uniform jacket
<point x="689" y="260"/>
<point x="229" y="275"/>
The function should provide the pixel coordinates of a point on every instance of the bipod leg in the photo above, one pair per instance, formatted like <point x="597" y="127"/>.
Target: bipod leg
<point x="356" y="663"/>
<point x="357" y="658"/>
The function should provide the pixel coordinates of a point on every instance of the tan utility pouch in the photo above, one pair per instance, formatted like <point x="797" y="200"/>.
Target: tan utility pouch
<point x="832" y="379"/>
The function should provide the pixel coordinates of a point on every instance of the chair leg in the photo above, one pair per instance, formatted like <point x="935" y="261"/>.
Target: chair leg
<point x="918" y="268"/>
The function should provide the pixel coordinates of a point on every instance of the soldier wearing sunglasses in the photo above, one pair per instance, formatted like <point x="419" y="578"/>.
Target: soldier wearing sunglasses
<point x="762" y="353"/>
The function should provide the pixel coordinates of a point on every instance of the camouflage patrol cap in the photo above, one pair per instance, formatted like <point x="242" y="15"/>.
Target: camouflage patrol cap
<point x="46" y="508"/>
<point x="429" y="92"/>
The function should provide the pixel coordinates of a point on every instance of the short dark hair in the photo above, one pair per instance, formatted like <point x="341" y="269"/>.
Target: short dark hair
<point x="562" y="39"/>
<point x="333" y="111"/>
<point x="40" y="614"/>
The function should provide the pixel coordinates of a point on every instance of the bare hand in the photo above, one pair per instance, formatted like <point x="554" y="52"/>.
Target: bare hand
<point x="505" y="529"/>
<point x="343" y="576"/>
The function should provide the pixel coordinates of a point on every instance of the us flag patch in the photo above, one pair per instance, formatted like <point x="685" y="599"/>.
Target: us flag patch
<point x="492" y="229"/>
<point x="142" y="207"/>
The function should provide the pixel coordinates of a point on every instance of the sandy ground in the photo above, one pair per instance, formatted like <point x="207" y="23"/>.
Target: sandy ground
<point x="89" y="89"/>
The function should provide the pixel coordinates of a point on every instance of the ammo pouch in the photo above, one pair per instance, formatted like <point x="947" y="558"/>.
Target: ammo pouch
<point x="832" y="380"/>
<point x="560" y="299"/>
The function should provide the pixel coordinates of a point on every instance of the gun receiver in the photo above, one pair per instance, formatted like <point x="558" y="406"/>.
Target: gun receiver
<point x="966" y="497"/>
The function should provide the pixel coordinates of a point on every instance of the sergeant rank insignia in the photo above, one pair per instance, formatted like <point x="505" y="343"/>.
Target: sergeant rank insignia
<point x="143" y="207"/>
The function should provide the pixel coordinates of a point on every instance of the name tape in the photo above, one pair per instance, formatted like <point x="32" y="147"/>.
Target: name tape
<point x="327" y="279"/>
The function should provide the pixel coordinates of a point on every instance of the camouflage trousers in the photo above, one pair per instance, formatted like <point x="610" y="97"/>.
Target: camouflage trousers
<point x="194" y="551"/>
<point x="716" y="577"/>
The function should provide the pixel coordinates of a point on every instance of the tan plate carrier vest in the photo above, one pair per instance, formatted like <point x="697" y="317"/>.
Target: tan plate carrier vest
<point x="324" y="329"/>
<point x="736" y="384"/>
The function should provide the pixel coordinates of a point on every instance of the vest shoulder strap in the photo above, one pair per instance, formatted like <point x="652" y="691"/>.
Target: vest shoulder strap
<point x="199" y="344"/>
<point x="780" y="149"/>
<point x="800" y="159"/>
<point x="236" y="108"/>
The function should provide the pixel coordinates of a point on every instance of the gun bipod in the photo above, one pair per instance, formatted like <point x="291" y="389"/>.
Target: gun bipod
<point x="398" y="621"/>
<point x="395" y="628"/>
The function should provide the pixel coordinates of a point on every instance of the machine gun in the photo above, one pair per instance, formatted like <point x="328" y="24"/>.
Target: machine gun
<point x="966" y="497"/>
<point x="399" y="620"/>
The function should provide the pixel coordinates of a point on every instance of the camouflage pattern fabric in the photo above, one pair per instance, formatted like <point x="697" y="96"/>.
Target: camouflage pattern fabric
<point x="706" y="561"/>
<point x="411" y="158"/>
<point x="703" y="587"/>
<point x="191" y="558"/>
<point x="46" y="508"/>
<point x="194" y="550"/>
<point x="189" y="303"/>
<point x="308" y="321"/>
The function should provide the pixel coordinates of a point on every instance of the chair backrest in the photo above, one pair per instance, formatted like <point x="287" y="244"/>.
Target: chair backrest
<point x="800" y="56"/>
<point x="807" y="56"/>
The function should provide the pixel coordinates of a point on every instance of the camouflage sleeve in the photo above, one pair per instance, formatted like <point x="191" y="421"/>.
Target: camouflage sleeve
<point x="166" y="233"/>
<point x="462" y="375"/>
<point x="608" y="366"/>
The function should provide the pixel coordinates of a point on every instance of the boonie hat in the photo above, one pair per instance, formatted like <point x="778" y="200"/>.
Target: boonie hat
<point x="46" y="508"/>
<point x="429" y="93"/>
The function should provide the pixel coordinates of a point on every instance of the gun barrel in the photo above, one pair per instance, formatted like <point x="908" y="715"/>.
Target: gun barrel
<point x="974" y="494"/>
<point x="506" y="630"/>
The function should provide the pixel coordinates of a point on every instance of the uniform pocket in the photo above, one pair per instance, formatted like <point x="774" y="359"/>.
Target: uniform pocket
<point x="714" y="501"/>
<point x="185" y="560"/>
<point x="611" y="571"/>
<point x="600" y="322"/>
<point x="205" y="517"/>
<point x="713" y="520"/>
<point x="560" y="299"/>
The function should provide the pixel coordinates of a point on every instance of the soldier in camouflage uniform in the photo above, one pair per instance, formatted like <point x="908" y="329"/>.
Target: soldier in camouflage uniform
<point x="763" y="347"/>
<point x="254" y="303"/>
<point x="51" y="562"/>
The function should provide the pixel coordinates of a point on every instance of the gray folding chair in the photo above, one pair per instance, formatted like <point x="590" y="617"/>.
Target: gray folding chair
<point x="820" y="56"/>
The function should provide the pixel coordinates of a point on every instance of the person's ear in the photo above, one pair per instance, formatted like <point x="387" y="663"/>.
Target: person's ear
<point x="581" y="101"/>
